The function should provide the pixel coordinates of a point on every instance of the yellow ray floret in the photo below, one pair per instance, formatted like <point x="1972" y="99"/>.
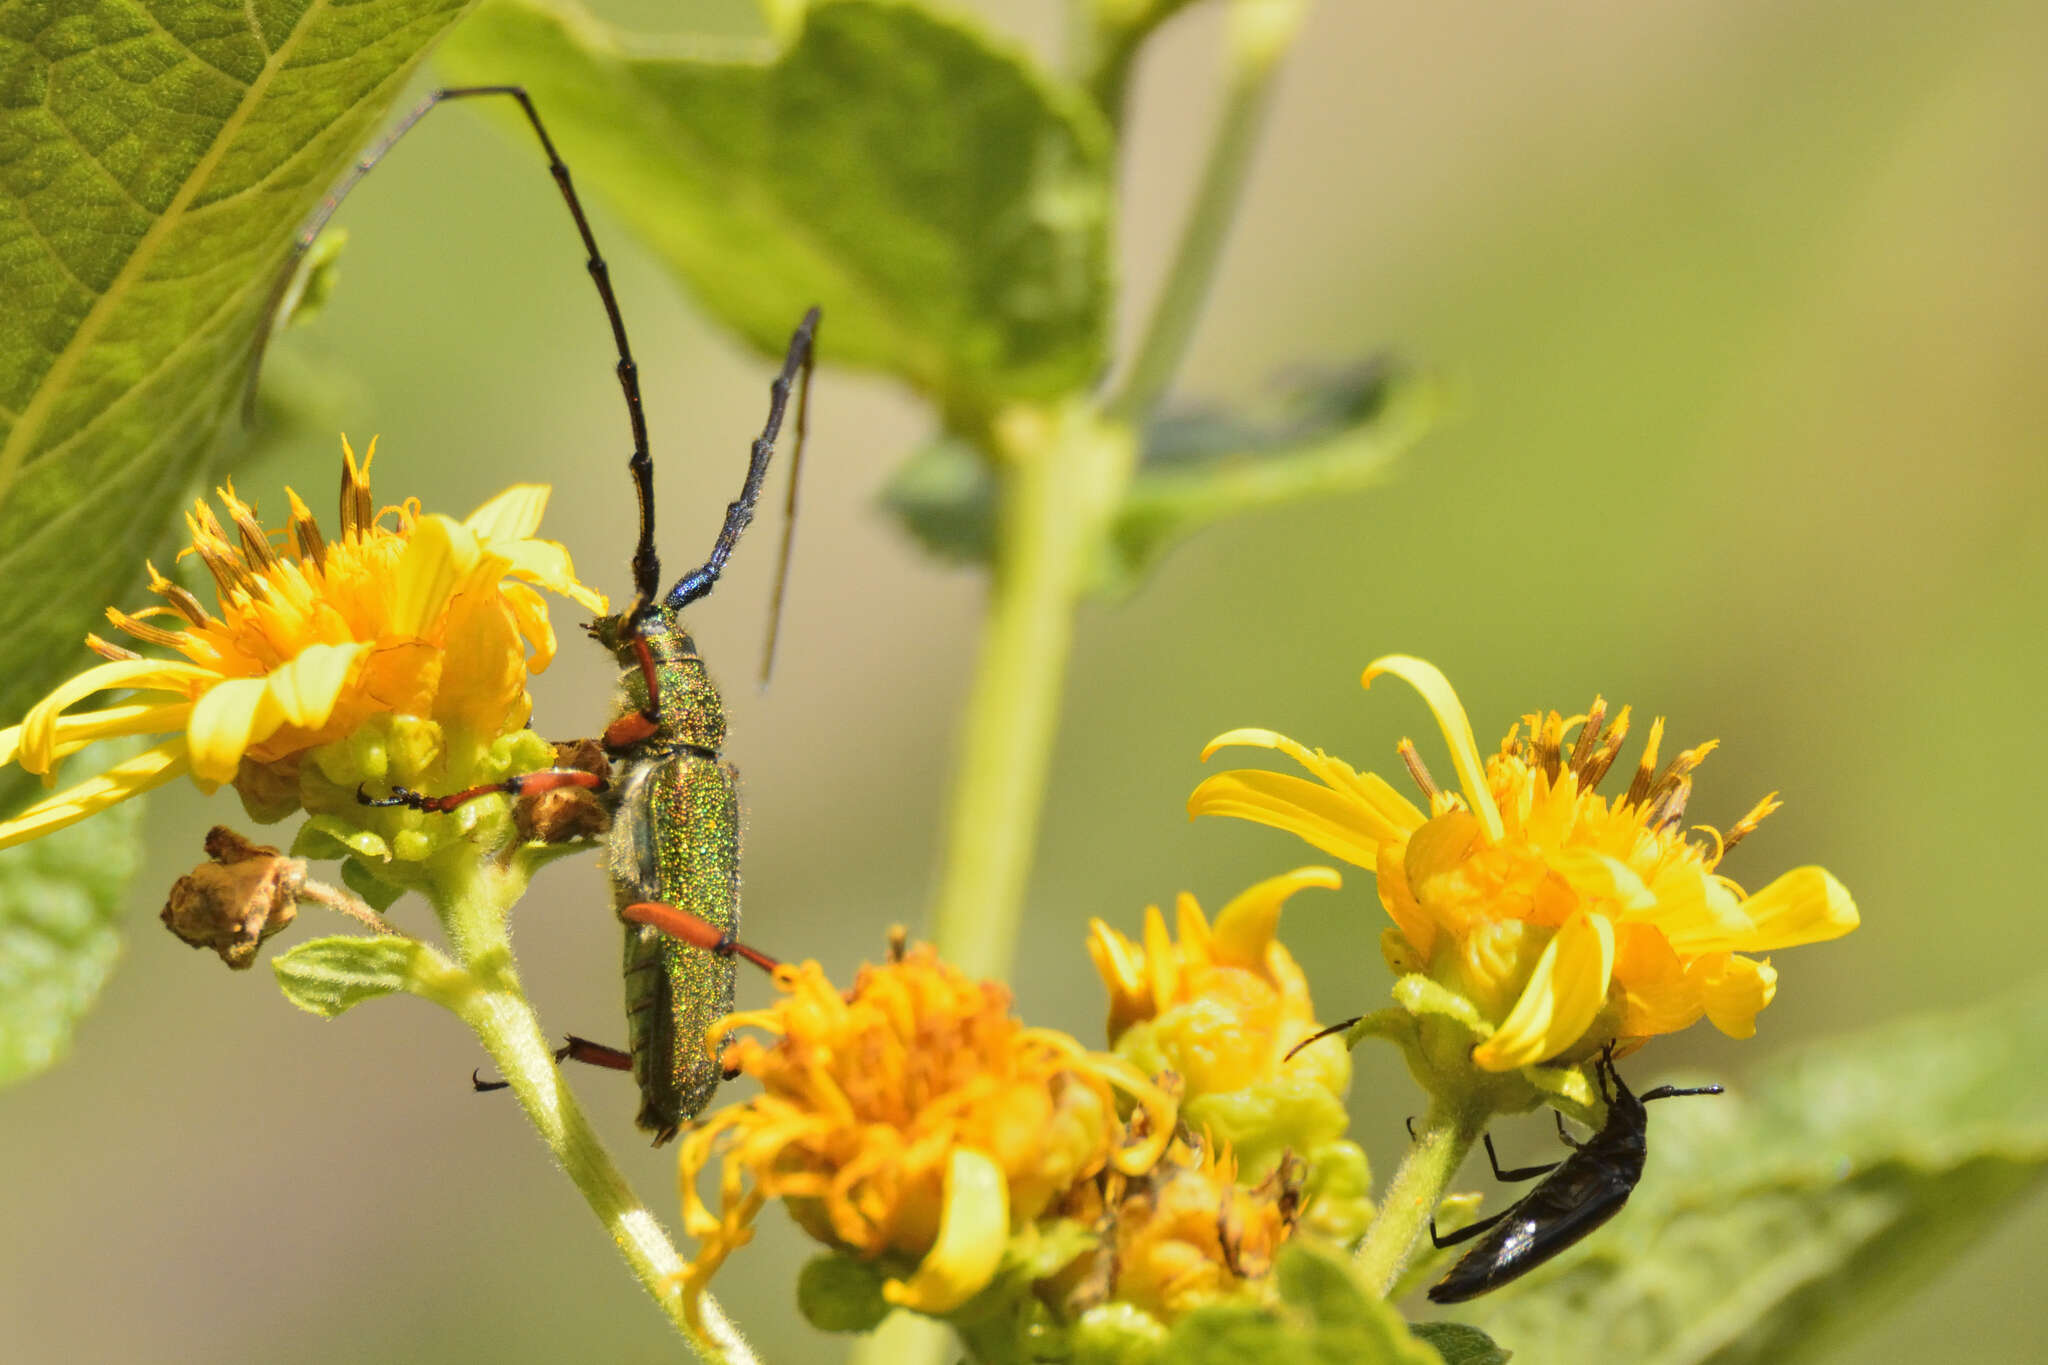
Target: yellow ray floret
<point x="912" y="1117"/>
<point x="404" y="613"/>
<point x="1567" y="917"/>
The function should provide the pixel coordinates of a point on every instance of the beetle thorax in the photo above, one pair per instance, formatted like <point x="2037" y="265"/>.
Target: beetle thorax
<point x="688" y="711"/>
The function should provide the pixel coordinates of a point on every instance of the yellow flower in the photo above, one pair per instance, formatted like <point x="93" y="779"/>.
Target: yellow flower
<point x="913" y="1118"/>
<point x="1224" y="1009"/>
<point x="424" y="617"/>
<point x="1567" y="918"/>
<point x="1185" y="1233"/>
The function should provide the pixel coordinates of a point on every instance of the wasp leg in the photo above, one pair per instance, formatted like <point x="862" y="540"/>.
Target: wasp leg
<point x="575" y="1050"/>
<point x="1520" y="1172"/>
<point x="1466" y="1233"/>
<point x="547" y="779"/>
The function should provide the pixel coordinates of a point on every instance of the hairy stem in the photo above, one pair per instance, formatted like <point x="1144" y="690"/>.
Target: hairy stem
<point x="1063" y="474"/>
<point x="1442" y="1140"/>
<point x="1260" y="32"/>
<point x="489" y="999"/>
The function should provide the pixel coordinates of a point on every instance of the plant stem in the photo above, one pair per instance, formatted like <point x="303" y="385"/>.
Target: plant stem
<point x="1260" y="33"/>
<point x="473" y="907"/>
<point x="1444" y="1138"/>
<point x="1063" y="474"/>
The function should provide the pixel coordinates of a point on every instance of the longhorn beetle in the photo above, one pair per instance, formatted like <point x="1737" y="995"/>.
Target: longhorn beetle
<point x="1578" y="1194"/>
<point x="674" y="827"/>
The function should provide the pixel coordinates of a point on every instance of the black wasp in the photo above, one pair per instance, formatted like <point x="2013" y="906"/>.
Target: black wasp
<point x="1579" y="1193"/>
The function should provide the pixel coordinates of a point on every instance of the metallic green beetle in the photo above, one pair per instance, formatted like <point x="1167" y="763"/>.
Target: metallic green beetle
<point x="671" y="802"/>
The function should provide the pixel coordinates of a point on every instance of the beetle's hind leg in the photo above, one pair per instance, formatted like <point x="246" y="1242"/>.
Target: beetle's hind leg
<point x="1466" y="1233"/>
<point x="1520" y="1172"/>
<point x="574" y="1050"/>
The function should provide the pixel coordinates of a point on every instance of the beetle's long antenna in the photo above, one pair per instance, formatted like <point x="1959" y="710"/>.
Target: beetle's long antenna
<point x="796" y="469"/>
<point x="646" y="564"/>
<point x="699" y="581"/>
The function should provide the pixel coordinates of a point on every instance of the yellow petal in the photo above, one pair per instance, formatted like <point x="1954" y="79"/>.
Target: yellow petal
<point x="974" y="1226"/>
<point x="1451" y="719"/>
<point x="547" y="563"/>
<point x="1735" y="990"/>
<point x="1806" y="905"/>
<point x="231" y="716"/>
<point x="530" y="617"/>
<point x="439" y="556"/>
<point x="80" y="728"/>
<point x="1246" y="926"/>
<point x="37" y="739"/>
<point x="150" y="768"/>
<point x="1656" y="994"/>
<point x="1384" y="812"/>
<point x="1565" y="991"/>
<point x="306" y="688"/>
<point x="513" y="515"/>
<point x="1315" y="813"/>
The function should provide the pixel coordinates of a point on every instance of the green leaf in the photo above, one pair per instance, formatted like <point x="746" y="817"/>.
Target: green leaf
<point x="1325" y="1317"/>
<point x="326" y="976"/>
<point x="155" y="158"/>
<point x="1775" y="1223"/>
<point x="1459" y="1344"/>
<point x="837" y="1293"/>
<point x="1336" y="436"/>
<point x="60" y="902"/>
<point x="945" y="201"/>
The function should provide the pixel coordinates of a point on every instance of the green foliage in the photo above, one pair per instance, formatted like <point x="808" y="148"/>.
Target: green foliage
<point x="1339" y="434"/>
<point x="60" y="902"/>
<point x="1325" y="1317"/>
<point x="945" y="201"/>
<point x="1770" y="1224"/>
<point x="326" y="976"/>
<point x="1459" y="1344"/>
<point x="155" y="157"/>
<point x="841" y="1294"/>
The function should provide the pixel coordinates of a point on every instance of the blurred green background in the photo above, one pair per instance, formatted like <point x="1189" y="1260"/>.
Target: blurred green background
<point x="1747" y="307"/>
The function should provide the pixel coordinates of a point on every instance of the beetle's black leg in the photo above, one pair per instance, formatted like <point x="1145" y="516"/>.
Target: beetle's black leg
<point x="575" y="1050"/>
<point x="1330" y="1032"/>
<point x="1466" y="1233"/>
<point x="1665" y="1092"/>
<point x="1520" y="1172"/>
<point x="1562" y="1134"/>
<point x="1410" y="1121"/>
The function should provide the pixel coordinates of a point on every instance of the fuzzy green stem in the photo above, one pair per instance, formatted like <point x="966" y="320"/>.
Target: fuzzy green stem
<point x="1063" y="475"/>
<point x="473" y="903"/>
<point x="1260" y="33"/>
<point x="1442" y="1141"/>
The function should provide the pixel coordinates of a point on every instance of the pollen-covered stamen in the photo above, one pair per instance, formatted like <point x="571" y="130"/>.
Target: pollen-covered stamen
<point x="1546" y="744"/>
<point x="137" y="629"/>
<point x="1646" y="768"/>
<point x="1669" y="793"/>
<point x="256" y="551"/>
<point x="209" y="541"/>
<point x="1746" y="826"/>
<point x="305" y="533"/>
<point x="358" y="513"/>
<point x="1589" y="735"/>
<point x="1418" y="770"/>
<point x="113" y="653"/>
<point x="183" y="602"/>
<point x="1595" y="767"/>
